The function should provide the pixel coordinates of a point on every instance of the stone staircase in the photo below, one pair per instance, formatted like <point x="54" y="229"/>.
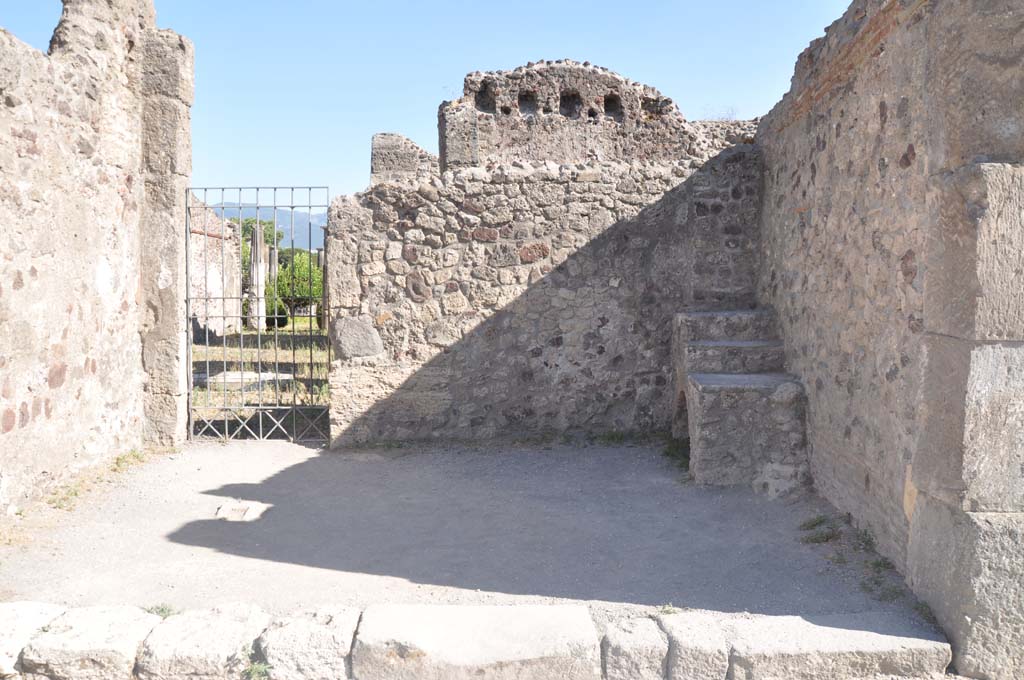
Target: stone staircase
<point x="744" y="415"/>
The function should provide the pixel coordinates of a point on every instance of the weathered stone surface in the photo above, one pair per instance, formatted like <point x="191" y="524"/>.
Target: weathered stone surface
<point x="698" y="648"/>
<point x="967" y="566"/>
<point x="89" y="643"/>
<point x="892" y="253"/>
<point x="864" y="645"/>
<point x="309" y="646"/>
<point x="635" y="649"/>
<point x="729" y="325"/>
<point x="566" y="112"/>
<point x="734" y="356"/>
<point x="19" y="622"/>
<point x="211" y="644"/>
<point x="355" y="337"/>
<point x="538" y="298"/>
<point x="87" y="229"/>
<point x="424" y="642"/>
<point x="747" y="430"/>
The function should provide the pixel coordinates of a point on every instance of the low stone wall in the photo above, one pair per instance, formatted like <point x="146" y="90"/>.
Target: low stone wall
<point x="532" y="298"/>
<point x="94" y="156"/>
<point x="892" y="252"/>
<point x="450" y="642"/>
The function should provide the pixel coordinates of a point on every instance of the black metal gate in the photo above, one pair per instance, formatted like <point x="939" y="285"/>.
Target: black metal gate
<point x="258" y="348"/>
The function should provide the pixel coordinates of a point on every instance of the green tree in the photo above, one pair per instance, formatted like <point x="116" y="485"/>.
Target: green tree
<point x="300" y="282"/>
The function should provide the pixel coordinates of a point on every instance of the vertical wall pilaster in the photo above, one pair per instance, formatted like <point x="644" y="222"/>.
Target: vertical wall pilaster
<point x="167" y="92"/>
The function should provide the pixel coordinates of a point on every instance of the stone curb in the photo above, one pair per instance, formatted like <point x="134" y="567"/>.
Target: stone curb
<point x="452" y="642"/>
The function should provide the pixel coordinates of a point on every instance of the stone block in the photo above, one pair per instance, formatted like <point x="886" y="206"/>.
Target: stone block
<point x="698" y="647"/>
<point x="734" y="356"/>
<point x="747" y="429"/>
<point x="89" y="643"/>
<point x="754" y="324"/>
<point x="355" y="337"/>
<point x="857" y="645"/>
<point x="19" y="622"/>
<point x="975" y="255"/>
<point x="211" y="644"/>
<point x="972" y="441"/>
<point x="309" y="646"/>
<point x="635" y="649"/>
<point x="168" y="61"/>
<point x="969" y="568"/>
<point x="438" y="642"/>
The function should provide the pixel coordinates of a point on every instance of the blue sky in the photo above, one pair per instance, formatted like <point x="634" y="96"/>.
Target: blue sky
<point x="290" y="92"/>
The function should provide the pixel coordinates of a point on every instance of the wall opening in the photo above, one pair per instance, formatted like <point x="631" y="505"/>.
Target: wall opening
<point x="570" y="104"/>
<point x="527" y="103"/>
<point x="613" y="107"/>
<point x="486" y="100"/>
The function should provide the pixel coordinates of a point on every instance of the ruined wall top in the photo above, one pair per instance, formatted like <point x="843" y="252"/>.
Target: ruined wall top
<point x="562" y="111"/>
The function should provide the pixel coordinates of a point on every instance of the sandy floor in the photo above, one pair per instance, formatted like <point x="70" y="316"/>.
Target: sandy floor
<point x="615" y="525"/>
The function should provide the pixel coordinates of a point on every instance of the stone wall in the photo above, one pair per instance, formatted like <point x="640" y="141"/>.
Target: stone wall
<point x="567" y="112"/>
<point x="892" y="253"/>
<point x="532" y="297"/>
<point x="88" y="176"/>
<point x="215" y="284"/>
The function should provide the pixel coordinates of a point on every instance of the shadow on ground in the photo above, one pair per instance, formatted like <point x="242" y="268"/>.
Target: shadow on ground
<point x="611" y="524"/>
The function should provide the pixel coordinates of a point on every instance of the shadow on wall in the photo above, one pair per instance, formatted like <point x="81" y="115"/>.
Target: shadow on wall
<point x="584" y="349"/>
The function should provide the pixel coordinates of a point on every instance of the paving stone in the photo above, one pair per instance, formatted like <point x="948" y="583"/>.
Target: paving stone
<point x="698" y="649"/>
<point x="209" y="644"/>
<point x="863" y="645"/>
<point x="89" y="643"/>
<point x="19" y="622"/>
<point x="449" y="642"/>
<point x="309" y="646"/>
<point x="635" y="649"/>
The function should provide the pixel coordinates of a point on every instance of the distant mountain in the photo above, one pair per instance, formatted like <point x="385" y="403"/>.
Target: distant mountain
<point x="302" y="224"/>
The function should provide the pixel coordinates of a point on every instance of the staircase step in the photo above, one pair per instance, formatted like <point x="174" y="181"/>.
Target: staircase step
<point x="734" y="356"/>
<point x="753" y="324"/>
<point x="747" y="429"/>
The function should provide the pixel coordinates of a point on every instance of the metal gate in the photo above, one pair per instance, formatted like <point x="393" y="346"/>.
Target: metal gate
<point x="258" y="350"/>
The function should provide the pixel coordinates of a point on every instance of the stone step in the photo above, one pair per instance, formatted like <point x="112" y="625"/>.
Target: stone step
<point x="747" y="429"/>
<point x="734" y="356"/>
<point x="750" y="324"/>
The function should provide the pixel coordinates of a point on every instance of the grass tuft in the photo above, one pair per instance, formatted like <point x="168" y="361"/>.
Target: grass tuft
<point x="127" y="460"/>
<point x="814" y="522"/>
<point x="678" y="451"/>
<point x="864" y="541"/>
<point x="668" y="609"/>
<point x="162" y="610"/>
<point x="823" y="535"/>
<point x="256" y="670"/>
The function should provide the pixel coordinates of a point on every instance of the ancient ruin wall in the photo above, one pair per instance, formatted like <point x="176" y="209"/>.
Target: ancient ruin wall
<point x="570" y="113"/>
<point x="80" y="168"/>
<point x="531" y="297"/>
<point x="215" y="284"/>
<point x="892" y="252"/>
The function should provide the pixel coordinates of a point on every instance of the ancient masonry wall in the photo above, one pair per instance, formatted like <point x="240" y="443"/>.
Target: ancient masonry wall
<point x="93" y="159"/>
<point x="215" y="285"/>
<point x="532" y="297"/>
<point x="892" y="245"/>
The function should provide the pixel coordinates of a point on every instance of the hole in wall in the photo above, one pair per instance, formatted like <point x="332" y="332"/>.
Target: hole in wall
<point x="592" y="114"/>
<point x="486" y="101"/>
<point x="613" y="107"/>
<point x="506" y="110"/>
<point x="570" y="104"/>
<point x="527" y="103"/>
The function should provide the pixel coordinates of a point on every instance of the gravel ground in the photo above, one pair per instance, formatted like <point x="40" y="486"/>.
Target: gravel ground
<point x="616" y="526"/>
